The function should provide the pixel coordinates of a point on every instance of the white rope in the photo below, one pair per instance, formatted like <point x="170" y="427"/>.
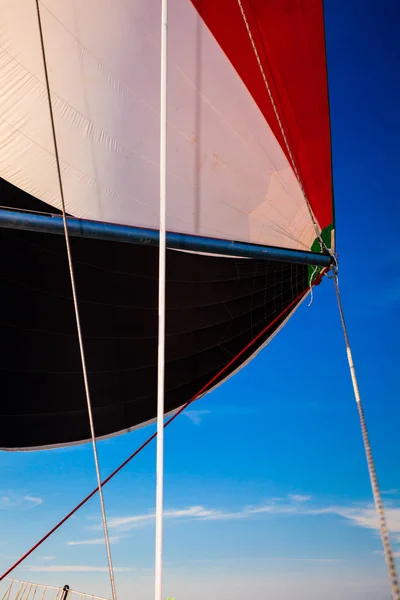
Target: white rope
<point x="368" y="453"/>
<point x="77" y="317"/>
<point x="371" y="467"/>
<point x="282" y="130"/>
<point x="311" y="285"/>
<point x="161" y="306"/>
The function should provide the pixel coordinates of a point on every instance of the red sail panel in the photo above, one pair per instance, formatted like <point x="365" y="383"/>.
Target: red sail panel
<point x="290" y="39"/>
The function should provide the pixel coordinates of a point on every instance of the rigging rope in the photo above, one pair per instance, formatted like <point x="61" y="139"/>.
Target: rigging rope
<point x="76" y="308"/>
<point x="154" y="435"/>
<point x="371" y="467"/>
<point x="282" y="130"/>
<point x="368" y="453"/>
<point x="161" y="308"/>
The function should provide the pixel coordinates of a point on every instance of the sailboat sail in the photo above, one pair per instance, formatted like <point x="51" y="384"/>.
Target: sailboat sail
<point x="239" y="167"/>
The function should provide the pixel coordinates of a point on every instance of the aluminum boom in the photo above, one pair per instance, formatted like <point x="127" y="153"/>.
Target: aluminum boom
<point x="84" y="228"/>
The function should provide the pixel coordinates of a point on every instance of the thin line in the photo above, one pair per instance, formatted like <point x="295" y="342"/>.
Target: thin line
<point x="35" y="212"/>
<point x="76" y="308"/>
<point x="314" y="222"/>
<point x="8" y="590"/>
<point x="161" y="307"/>
<point x="154" y="435"/>
<point x="389" y="557"/>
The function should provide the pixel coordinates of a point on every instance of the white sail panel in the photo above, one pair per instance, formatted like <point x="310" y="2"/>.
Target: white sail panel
<point x="227" y="175"/>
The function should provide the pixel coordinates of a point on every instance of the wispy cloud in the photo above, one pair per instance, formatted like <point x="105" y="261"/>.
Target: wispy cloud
<point x="395" y="554"/>
<point x="13" y="500"/>
<point x="365" y="516"/>
<point x="94" y="541"/>
<point x="360" y="515"/>
<point x="73" y="568"/>
<point x="129" y="522"/>
<point x="196" y="416"/>
<point x="34" y="500"/>
<point x="47" y="558"/>
<point x="299" y="497"/>
<point x="275" y="506"/>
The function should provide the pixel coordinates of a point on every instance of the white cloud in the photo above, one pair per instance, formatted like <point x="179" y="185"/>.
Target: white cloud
<point x="300" y="497"/>
<point x="13" y="500"/>
<point x="272" y="508"/>
<point x="196" y="416"/>
<point x="47" y="557"/>
<point x="361" y="515"/>
<point x="365" y="516"/>
<point x="395" y="554"/>
<point x="73" y="568"/>
<point x="94" y="542"/>
<point x="129" y="522"/>
<point x="34" y="500"/>
<point x="276" y="506"/>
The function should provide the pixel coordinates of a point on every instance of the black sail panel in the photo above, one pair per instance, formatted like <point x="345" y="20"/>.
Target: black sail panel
<point x="215" y="307"/>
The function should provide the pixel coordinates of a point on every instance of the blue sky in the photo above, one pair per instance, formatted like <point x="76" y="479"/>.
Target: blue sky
<point x="266" y="487"/>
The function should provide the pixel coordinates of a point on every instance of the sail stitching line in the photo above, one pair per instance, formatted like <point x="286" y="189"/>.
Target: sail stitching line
<point x="76" y="308"/>
<point x="380" y="512"/>
<point x="314" y="222"/>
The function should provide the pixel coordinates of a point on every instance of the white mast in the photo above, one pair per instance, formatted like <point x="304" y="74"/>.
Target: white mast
<point x="161" y="307"/>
